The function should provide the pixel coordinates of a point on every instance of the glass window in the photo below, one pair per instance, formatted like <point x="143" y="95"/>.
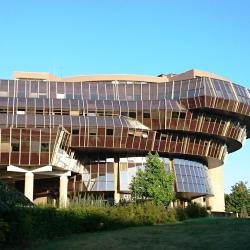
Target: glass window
<point x="4" y="86"/>
<point x="137" y="92"/>
<point x="35" y="146"/>
<point x="74" y="112"/>
<point x="153" y="91"/>
<point x="110" y="91"/>
<point x="129" y="91"/>
<point x="124" y="113"/>
<point x="69" y="90"/>
<point x="109" y="131"/>
<point x="44" y="147"/>
<point x="75" y="131"/>
<point x="182" y="115"/>
<point x="60" y="88"/>
<point x="121" y="91"/>
<point x="92" y="130"/>
<point x="85" y="91"/>
<point x="77" y="90"/>
<point x="175" y="114"/>
<point x="132" y="115"/>
<point x="15" y="146"/>
<point x="146" y="115"/>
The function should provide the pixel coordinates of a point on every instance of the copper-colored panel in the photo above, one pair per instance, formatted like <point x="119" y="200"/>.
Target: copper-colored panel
<point x="14" y="158"/>
<point x="34" y="159"/>
<point x="129" y="141"/>
<point x="75" y="141"/>
<point x="24" y="158"/>
<point x="44" y="158"/>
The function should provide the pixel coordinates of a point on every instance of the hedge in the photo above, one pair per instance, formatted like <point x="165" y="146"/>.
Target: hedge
<point x="44" y="223"/>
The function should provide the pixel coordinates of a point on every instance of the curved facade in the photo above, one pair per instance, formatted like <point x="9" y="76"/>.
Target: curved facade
<point x="97" y="130"/>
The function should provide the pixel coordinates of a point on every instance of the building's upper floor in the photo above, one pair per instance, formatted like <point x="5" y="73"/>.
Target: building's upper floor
<point x="190" y="84"/>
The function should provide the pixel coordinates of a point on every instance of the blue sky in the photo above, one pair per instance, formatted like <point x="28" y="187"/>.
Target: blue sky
<point x="131" y="37"/>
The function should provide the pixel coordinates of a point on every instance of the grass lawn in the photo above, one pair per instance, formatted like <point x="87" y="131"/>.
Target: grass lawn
<point x="207" y="233"/>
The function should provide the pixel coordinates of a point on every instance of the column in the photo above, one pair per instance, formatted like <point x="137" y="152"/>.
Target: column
<point x="117" y="195"/>
<point x="171" y="165"/>
<point x="63" y="191"/>
<point x="29" y="185"/>
<point x="217" y="202"/>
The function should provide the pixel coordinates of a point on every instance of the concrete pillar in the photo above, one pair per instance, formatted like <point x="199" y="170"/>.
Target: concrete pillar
<point x="217" y="202"/>
<point x="171" y="165"/>
<point x="29" y="185"/>
<point x="117" y="195"/>
<point x="63" y="192"/>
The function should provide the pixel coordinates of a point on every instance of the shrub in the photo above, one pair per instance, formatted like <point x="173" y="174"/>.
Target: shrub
<point x="4" y="228"/>
<point x="171" y="215"/>
<point x="20" y="225"/>
<point x="180" y="214"/>
<point x="195" y="210"/>
<point x="85" y="200"/>
<point x="27" y="223"/>
<point x="10" y="197"/>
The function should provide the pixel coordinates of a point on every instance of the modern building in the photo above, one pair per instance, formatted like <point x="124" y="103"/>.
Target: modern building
<point x="92" y="133"/>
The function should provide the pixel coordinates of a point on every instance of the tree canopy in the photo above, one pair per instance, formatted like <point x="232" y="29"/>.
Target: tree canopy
<point x="239" y="198"/>
<point x="154" y="183"/>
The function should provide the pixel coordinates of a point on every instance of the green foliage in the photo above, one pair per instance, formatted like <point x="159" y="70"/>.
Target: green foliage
<point x="154" y="183"/>
<point x="239" y="198"/>
<point x="37" y="223"/>
<point x="42" y="223"/>
<point x="10" y="198"/>
<point x="3" y="230"/>
<point x="243" y="212"/>
<point x="181" y="214"/>
<point x="195" y="210"/>
<point x="85" y="200"/>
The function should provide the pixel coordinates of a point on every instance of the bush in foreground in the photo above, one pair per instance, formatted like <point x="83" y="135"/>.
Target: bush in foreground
<point x="10" y="198"/>
<point x="48" y="223"/>
<point x="26" y="224"/>
<point x="195" y="210"/>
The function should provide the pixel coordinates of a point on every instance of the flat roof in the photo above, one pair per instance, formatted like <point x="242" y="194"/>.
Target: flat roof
<point x="118" y="77"/>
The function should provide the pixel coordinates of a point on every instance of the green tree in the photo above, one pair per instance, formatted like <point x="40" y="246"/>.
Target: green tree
<point x="239" y="198"/>
<point x="154" y="183"/>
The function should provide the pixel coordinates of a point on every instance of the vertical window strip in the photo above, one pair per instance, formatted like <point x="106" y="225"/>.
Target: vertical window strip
<point x="181" y="91"/>
<point x="141" y="86"/>
<point x="30" y="147"/>
<point x="8" y="87"/>
<point x="15" y="83"/>
<point x="89" y="92"/>
<point x="133" y="92"/>
<point x="157" y="94"/>
<point x="173" y="83"/>
<point x="39" y="150"/>
<point x="10" y="149"/>
<point x="20" y="145"/>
